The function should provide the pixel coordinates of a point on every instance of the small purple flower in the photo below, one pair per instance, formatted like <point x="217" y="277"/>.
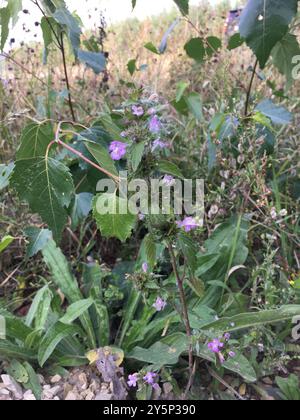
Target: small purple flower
<point x="117" y="150"/>
<point x="232" y="354"/>
<point x="145" y="267"/>
<point x="159" y="304"/>
<point x="150" y="377"/>
<point x="132" y="380"/>
<point x="189" y="224"/>
<point x="138" y="111"/>
<point x="159" y="144"/>
<point x="155" y="125"/>
<point x="215" y="346"/>
<point x="227" y="336"/>
<point x="168" y="180"/>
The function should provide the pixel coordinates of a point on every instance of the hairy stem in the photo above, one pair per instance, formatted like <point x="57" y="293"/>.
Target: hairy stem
<point x="184" y="307"/>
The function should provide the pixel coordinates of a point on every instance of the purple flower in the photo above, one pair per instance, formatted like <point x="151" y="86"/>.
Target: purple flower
<point x="138" y="111"/>
<point x="215" y="346"/>
<point x="189" y="223"/>
<point x="159" y="304"/>
<point x="168" y="180"/>
<point x="227" y="336"/>
<point x="132" y="380"/>
<point x="159" y="144"/>
<point x="232" y="354"/>
<point x="155" y="125"/>
<point x="117" y="150"/>
<point x="145" y="267"/>
<point x="150" y="377"/>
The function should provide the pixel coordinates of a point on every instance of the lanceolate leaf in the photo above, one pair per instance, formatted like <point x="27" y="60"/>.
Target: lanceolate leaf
<point x="47" y="186"/>
<point x="264" y="23"/>
<point x="113" y="223"/>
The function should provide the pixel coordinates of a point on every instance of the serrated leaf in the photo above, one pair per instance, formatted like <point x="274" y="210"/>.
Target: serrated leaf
<point x="188" y="248"/>
<point x="278" y="114"/>
<point x="170" y="168"/>
<point x="80" y="208"/>
<point x="47" y="186"/>
<point x="283" y="54"/>
<point x="264" y="23"/>
<point x="113" y="224"/>
<point x="53" y="337"/>
<point x="195" y="49"/>
<point x="214" y="44"/>
<point x="136" y="154"/>
<point x="65" y="18"/>
<point x="38" y="238"/>
<point x="150" y="250"/>
<point x="95" y="60"/>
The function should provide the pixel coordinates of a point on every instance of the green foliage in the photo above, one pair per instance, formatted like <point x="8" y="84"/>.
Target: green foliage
<point x="5" y="242"/>
<point x="289" y="388"/>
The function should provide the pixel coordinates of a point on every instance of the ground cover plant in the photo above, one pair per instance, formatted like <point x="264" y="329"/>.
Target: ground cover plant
<point x="155" y="303"/>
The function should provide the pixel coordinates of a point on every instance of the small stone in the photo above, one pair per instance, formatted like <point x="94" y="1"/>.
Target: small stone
<point x="28" y="396"/>
<point x="4" y="392"/>
<point x="55" y="379"/>
<point x="12" y="386"/>
<point x="102" y="396"/>
<point x="72" y="396"/>
<point x="90" y="396"/>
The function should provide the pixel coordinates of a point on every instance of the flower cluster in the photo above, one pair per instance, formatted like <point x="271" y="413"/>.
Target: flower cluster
<point x="149" y="379"/>
<point x="188" y="224"/>
<point x="117" y="150"/>
<point x="219" y="346"/>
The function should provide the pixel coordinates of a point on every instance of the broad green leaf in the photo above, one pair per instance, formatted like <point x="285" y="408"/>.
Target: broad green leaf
<point x="37" y="238"/>
<point x="188" y="247"/>
<point x="283" y="54"/>
<point x="170" y="168"/>
<point x="214" y="44"/>
<point x="63" y="278"/>
<point x="18" y="372"/>
<point x="95" y="60"/>
<point x="103" y="157"/>
<point x="235" y="41"/>
<point x="194" y="103"/>
<point x="254" y="319"/>
<point x="80" y="208"/>
<point x="136" y="153"/>
<point x="278" y="114"/>
<point x="290" y="388"/>
<point x="4" y="26"/>
<point x="33" y="381"/>
<point x="151" y="47"/>
<point x="5" y="172"/>
<point x="229" y="128"/>
<point x="15" y="7"/>
<point x="181" y="88"/>
<point x="53" y="337"/>
<point x="35" y="140"/>
<point x="150" y="250"/>
<point x="264" y="23"/>
<point x="75" y="310"/>
<point x="183" y="6"/>
<point x="163" y="353"/>
<point x="40" y="308"/>
<point x="46" y="25"/>
<point x="65" y="18"/>
<point x="131" y="66"/>
<point x="5" y="242"/>
<point x="47" y="186"/>
<point x="195" y="49"/>
<point x="112" y="224"/>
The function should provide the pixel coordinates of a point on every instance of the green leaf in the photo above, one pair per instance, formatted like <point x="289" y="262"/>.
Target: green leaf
<point x="151" y="47"/>
<point x="15" y="7"/>
<point x="47" y="23"/>
<point x="195" y="49"/>
<point x="133" y="2"/>
<point x="56" y="334"/>
<point x="278" y="114"/>
<point x="18" y="372"/>
<point x="235" y="41"/>
<point x="264" y="23"/>
<point x="189" y="249"/>
<point x="5" y="242"/>
<point x="254" y="319"/>
<point x="95" y="60"/>
<point x="4" y="26"/>
<point x="136" y="154"/>
<point x="170" y="168"/>
<point x="65" y="18"/>
<point x="194" y="103"/>
<point x="181" y="88"/>
<point x="183" y="6"/>
<point x="103" y="157"/>
<point x="112" y="224"/>
<point x="150" y="250"/>
<point x="75" y="310"/>
<point x="5" y="173"/>
<point x="47" y="186"/>
<point x="10" y="351"/>
<point x="289" y="387"/>
<point x="40" y="308"/>
<point x="80" y="208"/>
<point x="283" y="54"/>
<point x="131" y="66"/>
<point x="214" y="45"/>
<point x="33" y="382"/>
<point x="163" y="353"/>
<point x="35" y="140"/>
<point x="38" y="238"/>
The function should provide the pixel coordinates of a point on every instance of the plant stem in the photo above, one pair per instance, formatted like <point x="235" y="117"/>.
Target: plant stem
<point x="250" y="88"/>
<point x="184" y="307"/>
<point x="63" y="52"/>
